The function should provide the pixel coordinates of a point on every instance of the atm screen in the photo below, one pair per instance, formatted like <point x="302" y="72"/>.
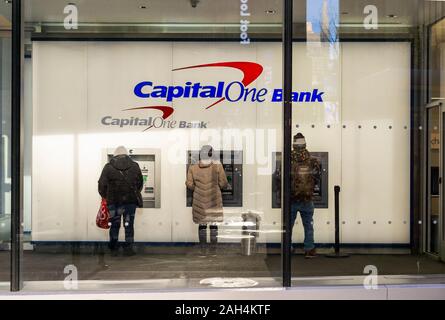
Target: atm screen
<point x="228" y="168"/>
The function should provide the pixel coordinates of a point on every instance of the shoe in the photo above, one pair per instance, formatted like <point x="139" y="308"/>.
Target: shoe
<point x="310" y="254"/>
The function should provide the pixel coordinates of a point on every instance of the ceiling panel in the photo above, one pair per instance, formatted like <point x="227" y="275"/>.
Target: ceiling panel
<point x="208" y="11"/>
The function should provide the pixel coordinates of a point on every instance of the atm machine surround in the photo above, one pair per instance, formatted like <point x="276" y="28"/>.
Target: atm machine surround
<point x="232" y="162"/>
<point x="321" y="190"/>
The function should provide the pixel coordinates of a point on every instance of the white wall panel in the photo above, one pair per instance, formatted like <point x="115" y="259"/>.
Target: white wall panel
<point x="113" y="71"/>
<point x="60" y="87"/>
<point x="223" y="116"/>
<point x="376" y="161"/>
<point x="269" y="121"/>
<point x="317" y="65"/>
<point x="60" y="112"/>
<point x="69" y="139"/>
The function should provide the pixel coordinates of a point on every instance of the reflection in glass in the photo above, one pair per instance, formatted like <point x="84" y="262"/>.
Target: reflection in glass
<point x="434" y="147"/>
<point x="5" y="144"/>
<point x="112" y="90"/>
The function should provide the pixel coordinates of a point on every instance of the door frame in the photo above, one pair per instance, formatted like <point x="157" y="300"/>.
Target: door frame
<point x="425" y="218"/>
<point x="442" y="187"/>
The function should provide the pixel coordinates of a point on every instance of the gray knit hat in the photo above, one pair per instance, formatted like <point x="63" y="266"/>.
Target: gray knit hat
<point x="206" y="152"/>
<point x="121" y="150"/>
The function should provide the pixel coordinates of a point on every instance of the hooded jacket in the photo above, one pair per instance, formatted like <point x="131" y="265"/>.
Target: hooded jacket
<point x="206" y="181"/>
<point x="112" y="185"/>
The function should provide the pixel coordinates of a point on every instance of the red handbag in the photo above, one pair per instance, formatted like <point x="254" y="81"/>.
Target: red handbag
<point x="103" y="216"/>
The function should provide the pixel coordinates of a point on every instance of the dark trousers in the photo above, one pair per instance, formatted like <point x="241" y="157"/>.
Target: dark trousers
<point x="306" y="210"/>
<point x="202" y="230"/>
<point x="117" y="212"/>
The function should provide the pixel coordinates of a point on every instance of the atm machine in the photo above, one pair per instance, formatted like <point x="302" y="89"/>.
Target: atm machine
<point x="320" y="189"/>
<point x="149" y="161"/>
<point x="232" y="162"/>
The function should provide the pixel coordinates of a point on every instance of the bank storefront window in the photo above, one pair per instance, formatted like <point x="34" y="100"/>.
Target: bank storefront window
<point x="172" y="101"/>
<point x="196" y="144"/>
<point x="353" y="149"/>
<point x="355" y="183"/>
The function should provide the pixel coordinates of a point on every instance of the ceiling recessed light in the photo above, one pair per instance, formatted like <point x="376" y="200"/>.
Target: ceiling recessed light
<point x="270" y="11"/>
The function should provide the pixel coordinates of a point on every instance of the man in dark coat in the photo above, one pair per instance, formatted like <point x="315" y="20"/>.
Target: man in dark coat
<point x="120" y="184"/>
<point x="305" y="173"/>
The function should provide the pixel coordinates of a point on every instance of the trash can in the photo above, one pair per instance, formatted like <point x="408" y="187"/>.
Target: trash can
<point x="251" y="225"/>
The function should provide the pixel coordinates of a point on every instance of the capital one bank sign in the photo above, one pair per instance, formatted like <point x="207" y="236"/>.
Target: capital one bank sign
<point x="236" y="91"/>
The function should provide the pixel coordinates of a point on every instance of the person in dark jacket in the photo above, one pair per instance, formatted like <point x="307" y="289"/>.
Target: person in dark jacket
<point x="120" y="184"/>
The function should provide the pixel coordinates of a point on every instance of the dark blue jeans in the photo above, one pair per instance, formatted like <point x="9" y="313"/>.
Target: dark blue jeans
<point x="126" y="211"/>
<point x="306" y="210"/>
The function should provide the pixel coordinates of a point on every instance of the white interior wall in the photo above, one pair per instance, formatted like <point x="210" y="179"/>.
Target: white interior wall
<point x="76" y="83"/>
<point x="376" y="161"/>
<point x="319" y="65"/>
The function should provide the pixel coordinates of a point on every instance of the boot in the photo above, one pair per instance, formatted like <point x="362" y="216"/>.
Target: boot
<point x="212" y="250"/>
<point x="202" y="250"/>
<point x="129" y="250"/>
<point x="114" y="249"/>
<point x="213" y="240"/>
<point x="202" y="233"/>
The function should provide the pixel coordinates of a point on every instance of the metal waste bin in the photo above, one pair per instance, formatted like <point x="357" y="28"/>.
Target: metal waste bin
<point x="251" y="225"/>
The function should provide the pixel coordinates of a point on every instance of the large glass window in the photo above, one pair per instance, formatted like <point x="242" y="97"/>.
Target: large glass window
<point x="353" y="175"/>
<point x="172" y="100"/>
<point x="434" y="235"/>
<point x="154" y="144"/>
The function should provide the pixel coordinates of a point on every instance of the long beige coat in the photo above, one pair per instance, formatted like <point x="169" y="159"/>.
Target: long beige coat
<point x="206" y="182"/>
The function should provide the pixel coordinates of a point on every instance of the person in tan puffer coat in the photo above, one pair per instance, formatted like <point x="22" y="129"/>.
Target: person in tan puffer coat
<point x="206" y="179"/>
